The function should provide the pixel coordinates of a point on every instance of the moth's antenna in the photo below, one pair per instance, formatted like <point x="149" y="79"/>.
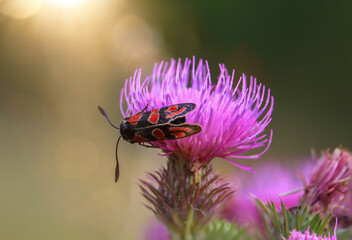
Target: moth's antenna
<point x="117" y="169"/>
<point x="102" y="111"/>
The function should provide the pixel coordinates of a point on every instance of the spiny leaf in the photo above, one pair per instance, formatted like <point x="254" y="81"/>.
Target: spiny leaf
<point x="222" y="230"/>
<point x="280" y="222"/>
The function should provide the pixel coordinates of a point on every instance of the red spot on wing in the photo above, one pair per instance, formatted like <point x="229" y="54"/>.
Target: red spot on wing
<point x="135" y="118"/>
<point x="159" y="134"/>
<point x="154" y="117"/>
<point x="172" y="108"/>
<point x="155" y="110"/>
<point x="180" y="129"/>
<point x="178" y="134"/>
<point x="176" y="113"/>
<point x="139" y="138"/>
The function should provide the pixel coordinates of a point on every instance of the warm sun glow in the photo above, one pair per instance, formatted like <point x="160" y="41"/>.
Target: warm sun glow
<point x="67" y="3"/>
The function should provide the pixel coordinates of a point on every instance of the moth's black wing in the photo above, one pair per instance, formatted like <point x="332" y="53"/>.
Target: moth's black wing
<point x="167" y="132"/>
<point x="174" y="114"/>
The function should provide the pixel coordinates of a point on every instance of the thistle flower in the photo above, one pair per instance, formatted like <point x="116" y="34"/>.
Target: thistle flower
<point x="344" y="213"/>
<point x="269" y="182"/>
<point x="329" y="182"/>
<point x="295" y="235"/>
<point x="185" y="194"/>
<point x="233" y="117"/>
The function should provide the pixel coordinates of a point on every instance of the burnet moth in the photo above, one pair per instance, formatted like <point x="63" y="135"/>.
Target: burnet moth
<point x="166" y="123"/>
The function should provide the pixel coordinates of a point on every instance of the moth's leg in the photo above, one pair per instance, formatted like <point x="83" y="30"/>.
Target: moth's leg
<point x="138" y="112"/>
<point x="147" y="146"/>
<point x="143" y="109"/>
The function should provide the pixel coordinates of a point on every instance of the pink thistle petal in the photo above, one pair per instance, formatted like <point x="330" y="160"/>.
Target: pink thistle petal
<point x="295" y="235"/>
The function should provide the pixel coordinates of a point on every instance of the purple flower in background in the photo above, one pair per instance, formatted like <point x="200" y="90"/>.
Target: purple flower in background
<point x="267" y="183"/>
<point x="156" y="231"/>
<point x="233" y="115"/>
<point x="329" y="183"/>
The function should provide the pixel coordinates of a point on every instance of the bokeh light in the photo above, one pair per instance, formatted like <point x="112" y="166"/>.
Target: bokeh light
<point x="20" y="8"/>
<point x="65" y="3"/>
<point x="26" y="8"/>
<point x="135" y="42"/>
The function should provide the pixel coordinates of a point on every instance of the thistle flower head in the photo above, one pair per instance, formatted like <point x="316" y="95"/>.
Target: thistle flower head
<point x="233" y="115"/>
<point x="330" y="180"/>
<point x="295" y="235"/>
<point x="344" y="213"/>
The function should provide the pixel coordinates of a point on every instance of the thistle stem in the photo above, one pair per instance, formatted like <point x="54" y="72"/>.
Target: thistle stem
<point x="188" y="233"/>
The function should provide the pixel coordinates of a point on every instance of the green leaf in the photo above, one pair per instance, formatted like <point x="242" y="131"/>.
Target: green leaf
<point x="286" y="219"/>
<point x="222" y="230"/>
<point x="280" y="222"/>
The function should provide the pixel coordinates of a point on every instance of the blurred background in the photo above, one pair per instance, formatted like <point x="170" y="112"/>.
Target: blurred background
<point x="59" y="59"/>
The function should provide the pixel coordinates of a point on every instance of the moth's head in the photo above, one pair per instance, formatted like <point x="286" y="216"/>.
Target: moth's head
<point x="127" y="131"/>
